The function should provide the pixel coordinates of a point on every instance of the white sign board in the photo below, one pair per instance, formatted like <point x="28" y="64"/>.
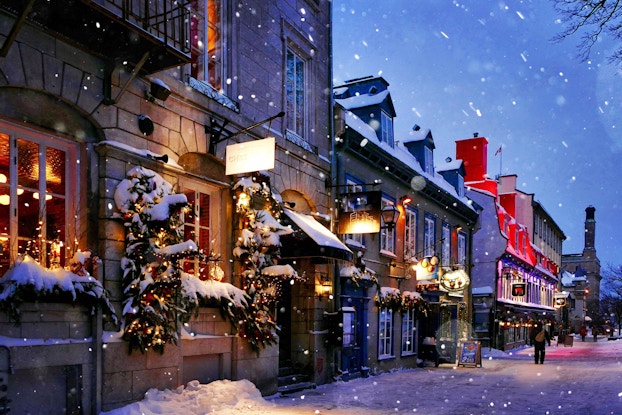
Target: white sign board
<point x="250" y="156"/>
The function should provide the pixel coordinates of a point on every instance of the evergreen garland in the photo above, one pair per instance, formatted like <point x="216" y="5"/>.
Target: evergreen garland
<point x="258" y="249"/>
<point x="151" y="272"/>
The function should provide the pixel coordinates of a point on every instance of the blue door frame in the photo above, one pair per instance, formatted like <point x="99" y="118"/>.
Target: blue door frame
<point x="354" y="356"/>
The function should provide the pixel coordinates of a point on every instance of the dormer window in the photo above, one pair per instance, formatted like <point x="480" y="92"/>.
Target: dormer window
<point x="387" y="129"/>
<point x="460" y="188"/>
<point x="428" y="162"/>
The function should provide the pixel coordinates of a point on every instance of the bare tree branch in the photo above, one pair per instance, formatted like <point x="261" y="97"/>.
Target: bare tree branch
<point x="591" y="20"/>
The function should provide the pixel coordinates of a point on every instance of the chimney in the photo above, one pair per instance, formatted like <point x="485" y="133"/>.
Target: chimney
<point x="474" y="154"/>
<point x="590" y="228"/>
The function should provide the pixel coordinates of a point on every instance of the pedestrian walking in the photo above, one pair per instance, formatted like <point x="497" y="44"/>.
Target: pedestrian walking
<point x="595" y="333"/>
<point x="539" y="337"/>
<point x="583" y="333"/>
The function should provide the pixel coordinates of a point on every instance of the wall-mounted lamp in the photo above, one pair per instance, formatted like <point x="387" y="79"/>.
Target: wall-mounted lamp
<point x="159" y="90"/>
<point x="405" y="200"/>
<point x="389" y="215"/>
<point x="325" y="287"/>
<point x="145" y="125"/>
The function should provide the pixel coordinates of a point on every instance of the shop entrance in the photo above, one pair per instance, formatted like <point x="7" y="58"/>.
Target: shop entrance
<point x="440" y="333"/>
<point x="354" y="319"/>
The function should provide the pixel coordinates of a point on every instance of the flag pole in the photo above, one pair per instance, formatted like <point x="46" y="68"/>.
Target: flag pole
<point x="499" y="153"/>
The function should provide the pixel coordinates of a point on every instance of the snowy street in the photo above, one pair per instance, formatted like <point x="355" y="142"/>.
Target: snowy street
<point x="583" y="379"/>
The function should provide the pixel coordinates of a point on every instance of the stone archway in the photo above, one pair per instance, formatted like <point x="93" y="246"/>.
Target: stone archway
<point x="298" y="201"/>
<point x="25" y="105"/>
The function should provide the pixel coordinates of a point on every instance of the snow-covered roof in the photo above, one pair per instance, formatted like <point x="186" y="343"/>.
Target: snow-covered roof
<point x="418" y="135"/>
<point x="401" y="153"/>
<point x="452" y="165"/>
<point x="363" y="100"/>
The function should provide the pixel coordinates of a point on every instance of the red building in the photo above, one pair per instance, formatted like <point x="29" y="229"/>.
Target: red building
<point x="515" y="269"/>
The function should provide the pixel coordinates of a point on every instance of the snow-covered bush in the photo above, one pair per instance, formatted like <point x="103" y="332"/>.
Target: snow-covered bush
<point x="28" y="281"/>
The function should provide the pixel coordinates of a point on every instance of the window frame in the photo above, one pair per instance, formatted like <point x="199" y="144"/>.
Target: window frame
<point x="386" y="241"/>
<point x="201" y="17"/>
<point x="429" y="235"/>
<point x="297" y="128"/>
<point x="409" y="332"/>
<point x="387" y="134"/>
<point x="73" y="211"/>
<point x="385" y="333"/>
<point x="462" y="249"/>
<point x="428" y="156"/>
<point x="186" y="183"/>
<point x="411" y="225"/>
<point x="446" y="245"/>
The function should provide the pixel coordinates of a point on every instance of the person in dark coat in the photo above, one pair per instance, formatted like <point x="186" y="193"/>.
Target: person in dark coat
<point x="539" y="336"/>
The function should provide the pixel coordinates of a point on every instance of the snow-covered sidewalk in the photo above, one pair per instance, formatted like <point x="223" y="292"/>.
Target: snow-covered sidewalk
<point x="583" y="379"/>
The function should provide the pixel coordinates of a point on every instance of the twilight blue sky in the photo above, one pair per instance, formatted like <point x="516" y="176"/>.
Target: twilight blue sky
<point x="491" y="67"/>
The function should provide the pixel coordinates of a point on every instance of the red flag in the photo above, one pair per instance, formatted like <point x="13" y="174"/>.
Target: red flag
<point x="498" y="151"/>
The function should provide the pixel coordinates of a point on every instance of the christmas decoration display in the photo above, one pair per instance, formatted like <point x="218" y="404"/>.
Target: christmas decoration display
<point x="394" y="299"/>
<point x="258" y="249"/>
<point x="27" y="280"/>
<point x="359" y="273"/>
<point x="159" y="294"/>
<point x="151" y="271"/>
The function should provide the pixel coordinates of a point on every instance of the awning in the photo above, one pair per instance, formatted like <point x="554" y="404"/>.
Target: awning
<point x="310" y="239"/>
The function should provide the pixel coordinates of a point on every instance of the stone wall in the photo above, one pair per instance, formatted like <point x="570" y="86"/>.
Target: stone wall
<point x="50" y="360"/>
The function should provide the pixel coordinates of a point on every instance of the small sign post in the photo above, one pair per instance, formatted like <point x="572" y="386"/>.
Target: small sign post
<point x="470" y="354"/>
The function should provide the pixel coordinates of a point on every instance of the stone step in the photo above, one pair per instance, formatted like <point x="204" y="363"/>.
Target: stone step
<point x="291" y="379"/>
<point x="296" y="387"/>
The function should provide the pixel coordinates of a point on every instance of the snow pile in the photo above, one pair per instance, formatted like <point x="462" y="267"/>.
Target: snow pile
<point x="193" y="288"/>
<point x="222" y="396"/>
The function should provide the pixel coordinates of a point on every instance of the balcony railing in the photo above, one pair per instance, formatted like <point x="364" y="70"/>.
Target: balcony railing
<point x="121" y="30"/>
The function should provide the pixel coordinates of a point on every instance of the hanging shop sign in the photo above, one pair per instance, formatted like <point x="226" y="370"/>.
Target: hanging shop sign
<point x="560" y="299"/>
<point x="360" y="213"/>
<point x="453" y="281"/>
<point x="518" y="289"/>
<point x="250" y="156"/>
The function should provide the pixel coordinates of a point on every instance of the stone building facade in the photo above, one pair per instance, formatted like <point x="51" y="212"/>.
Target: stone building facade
<point x="95" y="89"/>
<point x="407" y="302"/>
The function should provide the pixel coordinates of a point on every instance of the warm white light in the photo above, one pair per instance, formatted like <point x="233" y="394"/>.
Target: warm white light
<point x="35" y="195"/>
<point x="3" y="178"/>
<point x="5" y="200"/>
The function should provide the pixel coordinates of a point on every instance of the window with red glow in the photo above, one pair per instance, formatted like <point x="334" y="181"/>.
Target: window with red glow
<point x="36" y="217"/>
<point x="198" y="228"/>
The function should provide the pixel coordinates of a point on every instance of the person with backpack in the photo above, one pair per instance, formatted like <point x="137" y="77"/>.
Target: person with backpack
<point x="539" y="337"/>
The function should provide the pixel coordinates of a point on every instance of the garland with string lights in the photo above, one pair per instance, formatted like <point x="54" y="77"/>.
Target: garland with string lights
<point x="258" y="249"/>
<point x="402" y="301"/>
<point x="151" y="272"/>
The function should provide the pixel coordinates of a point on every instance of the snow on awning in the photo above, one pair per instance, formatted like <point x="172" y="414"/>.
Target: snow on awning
<point x="313" y="240"/>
